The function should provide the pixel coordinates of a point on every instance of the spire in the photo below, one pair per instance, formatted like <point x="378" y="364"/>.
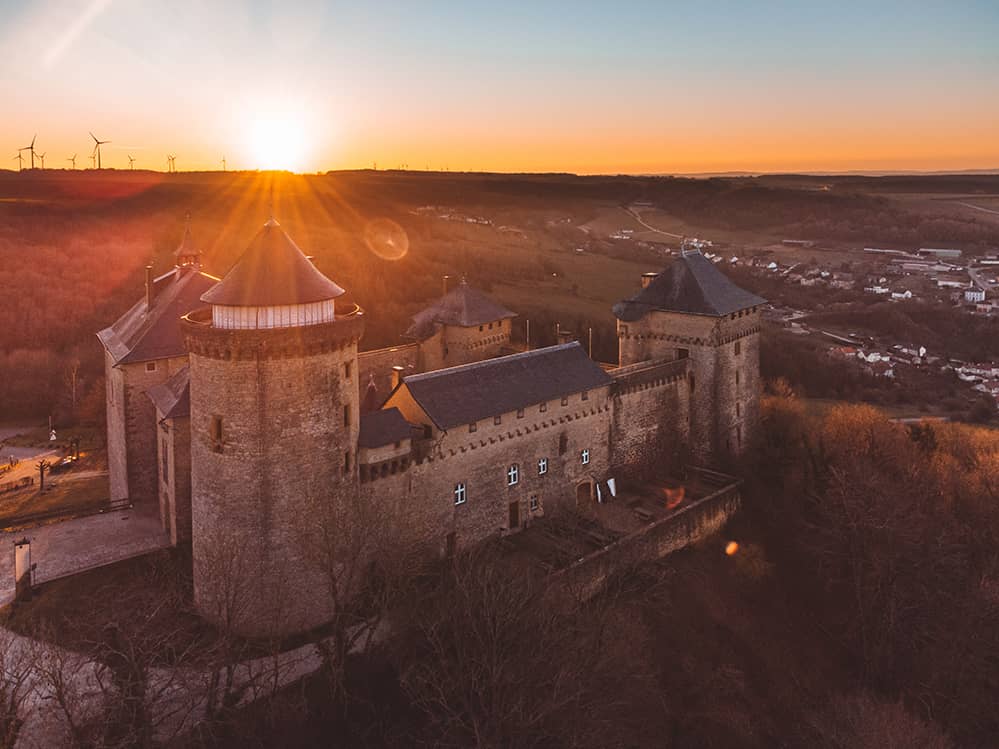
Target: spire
<point x="187" y="254"/>
<point x="271" y="221"/>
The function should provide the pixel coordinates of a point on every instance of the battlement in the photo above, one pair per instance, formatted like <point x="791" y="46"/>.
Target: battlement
<point x="646" y="374"/>
<point x="203" y="338"/>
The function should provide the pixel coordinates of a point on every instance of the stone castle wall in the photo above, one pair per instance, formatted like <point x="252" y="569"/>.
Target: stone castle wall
<point x="650" y="426"/>
<point x="721" y="408"/>
<point x="424" y="491"/>
<point x="587" y="577"/>
<point x="175" y="477"/>
<point x="452" y="345"/>
<point x="132" y="440"/>
<point x="258" y="555"/>
<point x="379" y="363"/>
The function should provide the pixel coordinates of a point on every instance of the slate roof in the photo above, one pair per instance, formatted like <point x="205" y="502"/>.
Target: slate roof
<point x="690" y="284"/>
<point x="472" y="392"/>
<point x="462" y="306"/>
<point x="173" y="397"/>
<point x="383" y="427"/>
<point x="272" y="272"/>
<point x="143" y="335"/>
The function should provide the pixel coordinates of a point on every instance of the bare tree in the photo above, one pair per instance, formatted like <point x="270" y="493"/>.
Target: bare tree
<point x="42" y="466"/>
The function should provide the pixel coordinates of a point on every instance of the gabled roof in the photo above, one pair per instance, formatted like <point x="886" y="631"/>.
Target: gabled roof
<point x="691" y="284"/>
<point x="173" y="397"/>
<point x="272" y="272"/>
<point x="472" y="392"/>
<point x="462" y="306"/>
<point x="144" y="334"/>
<point x="383" y="427"/>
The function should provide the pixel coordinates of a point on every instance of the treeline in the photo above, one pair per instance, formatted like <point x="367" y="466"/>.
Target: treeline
<point x="887" y="534"/>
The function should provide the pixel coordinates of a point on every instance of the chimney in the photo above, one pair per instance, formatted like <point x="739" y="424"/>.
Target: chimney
<point x="397" y="377"/>
<point x="565" y="336"/>
<point x="150" y="291"/>
<point x="648" y="278"/>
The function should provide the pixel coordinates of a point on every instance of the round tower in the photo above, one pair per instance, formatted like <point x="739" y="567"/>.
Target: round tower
<point x="274" y="425"/>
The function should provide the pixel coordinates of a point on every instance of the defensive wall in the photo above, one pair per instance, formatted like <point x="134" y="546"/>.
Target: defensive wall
<point x="587" y="576"/>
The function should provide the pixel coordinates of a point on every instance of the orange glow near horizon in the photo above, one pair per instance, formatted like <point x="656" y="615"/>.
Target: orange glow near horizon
<point x="521" y="87"/>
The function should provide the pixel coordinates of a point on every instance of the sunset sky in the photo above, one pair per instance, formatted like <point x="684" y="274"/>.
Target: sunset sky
<point x="640" y="87"/>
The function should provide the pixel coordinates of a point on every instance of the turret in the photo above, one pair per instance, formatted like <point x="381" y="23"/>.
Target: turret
<point x="274" y="427"/>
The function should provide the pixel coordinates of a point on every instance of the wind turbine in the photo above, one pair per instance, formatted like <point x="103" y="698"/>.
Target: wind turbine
<point x="93" y="159"/>
<point x="73" y="160"/>
<point x="171" y="163"/>
<point x="30" y="148"/>
<point x="41" y="156"/>
<point x="131" y="162"/>
<point x="223" y="163"/>
<point x="20" y="160"/>
<point x="97" y="148"/>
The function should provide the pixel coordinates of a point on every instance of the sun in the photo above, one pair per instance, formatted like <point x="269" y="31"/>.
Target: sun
<point x="278" y="141"/>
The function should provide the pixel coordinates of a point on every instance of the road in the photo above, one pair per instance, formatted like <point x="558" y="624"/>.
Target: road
<point x="976" y="207"/>
<point x="637" y="216"/>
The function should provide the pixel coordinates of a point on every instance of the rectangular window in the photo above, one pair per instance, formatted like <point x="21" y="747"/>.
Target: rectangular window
<point x="497" y="420"/>
<point x="472" y="427"/>
<point x="535" y="505"/>
<point x="215" y="433"/>
<point x="512" y="475"/>
<point x="346" y="416"/>
<point x="565" y="400"/>
<point x="520" y="413"/>
<point x="542" y="466"/>
<point x="738" y="409"/>
<point x="543" y="407"/>
<point x="737" y="377"/>
<point x="585" y="395"/>
<point x="150" y="366"/>
<point x="459" y="493"/>
<point x="346" y="462"/>
<point x="346" y="370"/>
<point x="585" y="457"/>
<point x="738" y="347"/>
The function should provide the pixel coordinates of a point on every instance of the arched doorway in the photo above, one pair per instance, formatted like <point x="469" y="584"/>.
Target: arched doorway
<point x="584" y="494"/>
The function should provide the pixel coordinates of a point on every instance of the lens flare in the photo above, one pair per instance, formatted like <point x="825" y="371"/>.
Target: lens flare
<point x="732" y="548"/>
<point x="386" y="239"/>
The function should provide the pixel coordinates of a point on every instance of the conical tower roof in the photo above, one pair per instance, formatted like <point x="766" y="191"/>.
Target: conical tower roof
<point x="272" y="272"/>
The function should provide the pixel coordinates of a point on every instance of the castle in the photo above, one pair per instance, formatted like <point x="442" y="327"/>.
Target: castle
<point x="242" y="405"/>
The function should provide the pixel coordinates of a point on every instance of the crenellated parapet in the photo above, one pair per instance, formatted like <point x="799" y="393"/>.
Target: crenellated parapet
<point x="241" y="344"/>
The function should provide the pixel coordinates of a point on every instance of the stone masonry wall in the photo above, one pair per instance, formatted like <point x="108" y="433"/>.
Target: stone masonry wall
<point x="379" y="363"/>
<point x="651" y="418"/>
<point x="717" y="423"/>
<point x="141" y="464"/>
<point x="588" y="576"/>
<point x="280" y="395"/>
<point x="117" y="444"/>
<point x="452" y="345"/>
<point x="175" y="482"/>
<point x="424" y="493"/>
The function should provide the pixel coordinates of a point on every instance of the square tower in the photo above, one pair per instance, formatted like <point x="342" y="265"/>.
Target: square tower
<point x="693" y="311"/>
